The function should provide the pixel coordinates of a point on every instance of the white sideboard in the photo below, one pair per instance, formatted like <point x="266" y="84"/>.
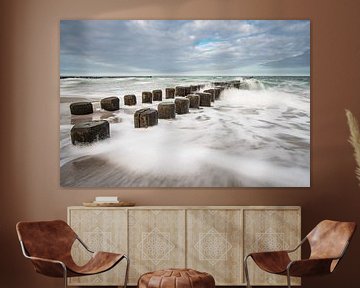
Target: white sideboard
<point x="212" y="239"/>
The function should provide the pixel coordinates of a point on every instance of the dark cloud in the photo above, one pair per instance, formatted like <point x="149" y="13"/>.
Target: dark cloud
<point x="201" y="47"/>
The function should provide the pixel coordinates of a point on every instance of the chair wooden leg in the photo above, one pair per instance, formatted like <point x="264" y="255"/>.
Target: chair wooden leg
<point x="246" y="271"/>
<point x="127" y="271"/>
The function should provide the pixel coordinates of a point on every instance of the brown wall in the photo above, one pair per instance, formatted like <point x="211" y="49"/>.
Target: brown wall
<point x="30" y="119"/>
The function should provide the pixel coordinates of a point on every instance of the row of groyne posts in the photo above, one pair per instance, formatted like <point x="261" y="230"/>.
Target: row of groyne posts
<point x="185" y="97"/>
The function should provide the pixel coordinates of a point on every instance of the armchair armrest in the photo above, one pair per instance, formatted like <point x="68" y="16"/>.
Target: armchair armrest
<point x="49" y="267"/>
<point x="83" y="244"/>
<point x="314" y="266"/>
<point x="269" y="253"/>
<point x="298" y="246"/>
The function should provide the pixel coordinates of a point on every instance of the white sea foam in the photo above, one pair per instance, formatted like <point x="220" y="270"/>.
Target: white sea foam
<point x="256" y="137"/>
<point x="252" y="84"/>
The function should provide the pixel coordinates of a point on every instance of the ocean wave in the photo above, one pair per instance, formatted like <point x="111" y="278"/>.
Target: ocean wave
<point x="250" y="137"/>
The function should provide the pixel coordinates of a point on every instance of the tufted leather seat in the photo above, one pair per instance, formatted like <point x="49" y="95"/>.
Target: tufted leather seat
<point x="176" y="278"/>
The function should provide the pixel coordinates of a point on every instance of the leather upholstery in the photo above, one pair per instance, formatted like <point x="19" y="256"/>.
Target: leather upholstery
<point x="176" y="278"/>
<point x="328" y="241"/>
<point x="272" y="262"/>
<point x="329" y="238"/>
<point x="53" y="240"/>
<point x="310" y="267"/>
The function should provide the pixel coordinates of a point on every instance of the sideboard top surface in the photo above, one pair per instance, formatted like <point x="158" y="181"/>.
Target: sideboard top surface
<point x="193" y="207"/>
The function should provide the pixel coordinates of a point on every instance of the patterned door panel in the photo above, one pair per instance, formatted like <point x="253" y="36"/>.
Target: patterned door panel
<point x="100" y="230"/>
<point x="214" y="242"/>
<point x="270" y="230"/>
<point x="157" y="240"/>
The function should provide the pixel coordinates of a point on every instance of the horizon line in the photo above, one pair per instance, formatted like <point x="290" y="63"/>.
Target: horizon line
<point x="148" y="76"/>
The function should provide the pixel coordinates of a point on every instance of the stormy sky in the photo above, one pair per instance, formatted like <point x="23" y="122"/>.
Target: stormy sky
<point x="182" y="47"/>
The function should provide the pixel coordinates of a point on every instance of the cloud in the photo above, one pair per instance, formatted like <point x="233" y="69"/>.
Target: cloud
<point x="179" y="47"/>
<point x="302" y="60"/>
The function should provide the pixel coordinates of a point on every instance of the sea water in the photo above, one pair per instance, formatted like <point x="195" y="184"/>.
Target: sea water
<point x="256" y="136"/>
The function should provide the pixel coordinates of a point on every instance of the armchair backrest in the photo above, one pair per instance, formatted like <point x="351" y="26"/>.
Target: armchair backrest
<point x="329" y="239"/>
<point x="46" y="239"/>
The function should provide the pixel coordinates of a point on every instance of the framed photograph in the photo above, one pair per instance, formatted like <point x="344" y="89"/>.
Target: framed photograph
<point x="185" y="103"/>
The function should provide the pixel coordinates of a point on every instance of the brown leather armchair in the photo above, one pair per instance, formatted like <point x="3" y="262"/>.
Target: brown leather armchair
<point x="48" y="245"/>
<point x="328" y="242"/>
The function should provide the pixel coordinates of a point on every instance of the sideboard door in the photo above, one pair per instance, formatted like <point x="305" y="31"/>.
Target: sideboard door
<point x="214" y="244"/>
<point x="156" y="240"/>
<point x="270" y="230"/>
<point x="101" y="230"/>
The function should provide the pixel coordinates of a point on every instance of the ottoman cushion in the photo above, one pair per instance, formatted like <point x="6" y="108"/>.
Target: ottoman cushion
<point x="176" y="278"/>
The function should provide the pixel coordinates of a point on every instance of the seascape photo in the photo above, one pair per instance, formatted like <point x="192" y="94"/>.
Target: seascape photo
<point x="184" y="103"/>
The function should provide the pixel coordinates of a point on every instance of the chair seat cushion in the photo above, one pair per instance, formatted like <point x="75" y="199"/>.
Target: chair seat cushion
<point x="176" y="278"/>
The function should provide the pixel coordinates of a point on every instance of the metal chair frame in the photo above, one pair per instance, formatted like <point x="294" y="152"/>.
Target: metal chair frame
<point x="26" y="255"/>
<point x="288" y="276"/>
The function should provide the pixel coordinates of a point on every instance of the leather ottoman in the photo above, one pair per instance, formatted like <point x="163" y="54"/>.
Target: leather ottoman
<point x="176" y="278"/>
